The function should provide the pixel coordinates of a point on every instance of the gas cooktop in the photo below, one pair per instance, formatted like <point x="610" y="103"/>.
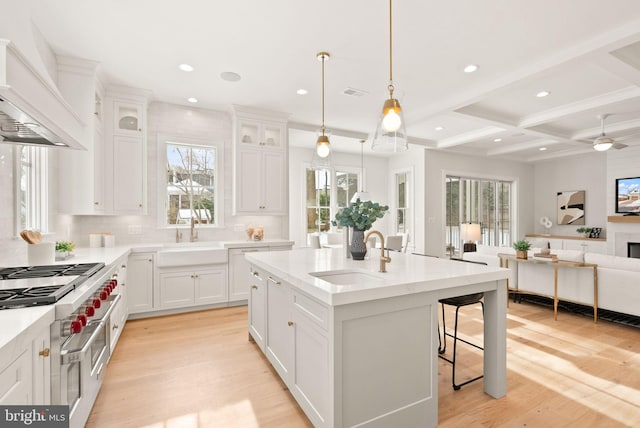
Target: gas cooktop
<point x="41" y="285"/>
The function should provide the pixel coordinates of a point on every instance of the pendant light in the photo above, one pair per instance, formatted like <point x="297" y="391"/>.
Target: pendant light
<point x="390" y="135"/>
<point x="322" y="153"/>
<point x="362" y="195"/>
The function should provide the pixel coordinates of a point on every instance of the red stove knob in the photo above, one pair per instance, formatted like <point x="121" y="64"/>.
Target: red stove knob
<point x="108" y="288"/>
<point x="96" y="303"/>
<point x="114" y="283"/>
<point x="103" y="295"/>
<point x="90" y="310"/>
<point x="83" y="319"/>
<point x="76" y="327"/>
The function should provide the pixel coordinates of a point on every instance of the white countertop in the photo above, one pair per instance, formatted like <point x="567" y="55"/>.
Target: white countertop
<point x="18" y="327"/>
<point x="406" y="274"/>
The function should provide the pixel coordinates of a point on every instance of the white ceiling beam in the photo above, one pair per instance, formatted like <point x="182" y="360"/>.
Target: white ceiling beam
<point x="560" y="154"/>
<point x="513" y="148"/>
<point x="608" y="129"/>
<point x="469" y="137"/>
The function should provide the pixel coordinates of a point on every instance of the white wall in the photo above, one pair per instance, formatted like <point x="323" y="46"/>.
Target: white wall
<point x="439" y="164"/>
<point x="586" y="172"/>
<point x="375" y="182"/>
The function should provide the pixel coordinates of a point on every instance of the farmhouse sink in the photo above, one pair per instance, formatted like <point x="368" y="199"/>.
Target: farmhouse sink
<point x="348" y="277"/>
<point x="186" y="255"/>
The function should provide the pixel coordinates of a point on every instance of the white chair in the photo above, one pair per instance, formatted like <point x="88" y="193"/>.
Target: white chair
<point x="393" y="242"/>
<point x="334" y="238"/>
<point x="314" y="240"/>
<point x="405" y="241"/>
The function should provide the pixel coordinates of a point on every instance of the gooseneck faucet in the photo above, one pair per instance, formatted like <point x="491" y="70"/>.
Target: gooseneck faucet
<point x="383" y="259"/>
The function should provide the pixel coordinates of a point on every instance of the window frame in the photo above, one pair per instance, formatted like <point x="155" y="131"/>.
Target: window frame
<point x="409" y="200"/>
<point x="333" y="195"/>
<point x="218" y="179"/>
<point x="37" y="205"/>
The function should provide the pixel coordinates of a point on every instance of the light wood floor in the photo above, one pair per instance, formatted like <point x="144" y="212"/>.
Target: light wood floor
<point x="199" y="370"/>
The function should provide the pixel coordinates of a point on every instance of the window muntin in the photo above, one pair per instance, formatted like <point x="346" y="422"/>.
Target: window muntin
<point x="327" y="191"/>
<point x="190" y="184"/>
<point x="484" y="201"/>
<point x="32" y="189"/>
<point x="402" y="220"/>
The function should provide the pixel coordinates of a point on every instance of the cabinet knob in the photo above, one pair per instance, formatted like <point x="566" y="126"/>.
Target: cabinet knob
<point x="290" y="323"/>
<point x="44" y="352"/>
<point x="123" y="284"/>
<point x="140" y="205"/>
<point x="123" y="266"/>
<point x="255" y="287"/>
<point x="115" y="327"/>
<point x="150" y="260"/>
<point x="96" y="203"/>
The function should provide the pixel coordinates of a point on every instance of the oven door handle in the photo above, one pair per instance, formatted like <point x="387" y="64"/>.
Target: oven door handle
<point x="73" y="356"/>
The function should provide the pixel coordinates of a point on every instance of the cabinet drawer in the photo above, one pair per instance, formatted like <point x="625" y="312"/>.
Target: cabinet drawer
<point x="315" y="311"/>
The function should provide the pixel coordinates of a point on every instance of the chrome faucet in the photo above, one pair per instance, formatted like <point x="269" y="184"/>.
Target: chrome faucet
<point x="193" y="236"/>
<point x="383" y="259"/>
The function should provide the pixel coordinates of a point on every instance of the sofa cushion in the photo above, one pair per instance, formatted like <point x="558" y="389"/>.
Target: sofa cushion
<point x="613" y="262"/>
<point x="491" y="250"/>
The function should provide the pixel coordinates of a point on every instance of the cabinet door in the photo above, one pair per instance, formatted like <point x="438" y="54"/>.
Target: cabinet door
<point x="16" y="382"/>
<point x="41" y="359"/>
<point x="128" y="118"/>
<point x="273" y="135"/>
<point x="98" y="170"/>
<point x="248" y="196"/>
<point x="257" y="307"/>
<point x="249" y="133"/>
<point x="176" y="289"/>
<point x="140" y="282"/>
<point x="311" y="376"/>
<point x="279" y="346"/>
<point x="128" y="175"/>
<point x="210" y="286"/>
<point x="238" y="269"/>
<point x="115" y="326"/>
<point x="273" y="184"/>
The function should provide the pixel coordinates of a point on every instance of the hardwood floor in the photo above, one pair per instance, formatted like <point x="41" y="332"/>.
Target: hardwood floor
<point x="199" y="370"/>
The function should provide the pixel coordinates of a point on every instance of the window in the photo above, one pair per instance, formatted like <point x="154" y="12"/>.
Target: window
<point x="32" y="190"/>
<point x="487" y="202"/>
<point x="191" y="184"/>
<point x="323" y="199"/>
<point x="402" y="220"/>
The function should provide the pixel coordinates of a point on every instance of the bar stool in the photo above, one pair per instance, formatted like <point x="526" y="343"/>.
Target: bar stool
<point x="458" y="302"/>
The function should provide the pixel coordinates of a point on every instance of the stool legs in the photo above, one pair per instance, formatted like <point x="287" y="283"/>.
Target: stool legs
<point x="443" y="346"/>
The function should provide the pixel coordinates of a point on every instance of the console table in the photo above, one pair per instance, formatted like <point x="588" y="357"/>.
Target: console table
<point x="506" y="258"/>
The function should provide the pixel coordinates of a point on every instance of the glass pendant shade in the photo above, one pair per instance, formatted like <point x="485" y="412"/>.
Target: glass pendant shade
<point x="322" y="154"/>
<point x="390" y="135"/>
<point x="323" y="148"/>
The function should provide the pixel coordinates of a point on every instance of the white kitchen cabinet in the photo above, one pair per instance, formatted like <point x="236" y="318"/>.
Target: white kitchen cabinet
<point x="125" y="147"/>
<point x="196" y="286"/>
<point x="81" y="175"/>
<point x="257" y="307"/>
<point x="140" y="282"/>
<point x="279" y="345"/>
<point x="119" y="315"/>
<point x="260" y="163"/>
<point x="310" y="383"/>
<point x="27" y="379"/>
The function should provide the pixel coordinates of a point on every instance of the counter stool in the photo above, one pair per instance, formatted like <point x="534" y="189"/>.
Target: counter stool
<point x="458" y="302"/>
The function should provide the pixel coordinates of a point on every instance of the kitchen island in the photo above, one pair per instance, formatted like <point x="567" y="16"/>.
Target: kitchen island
<point x="357" y="347"/>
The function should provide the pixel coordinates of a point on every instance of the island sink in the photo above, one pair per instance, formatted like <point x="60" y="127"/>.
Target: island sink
<point x="347" y="277"/>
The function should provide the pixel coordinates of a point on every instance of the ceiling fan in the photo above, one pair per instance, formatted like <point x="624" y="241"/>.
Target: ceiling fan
<point x="603" y="142"/>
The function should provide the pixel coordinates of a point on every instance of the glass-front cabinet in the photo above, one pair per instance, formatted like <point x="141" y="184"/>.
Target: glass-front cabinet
<point x="253" y="133"/>
<point x="128" y="117"/>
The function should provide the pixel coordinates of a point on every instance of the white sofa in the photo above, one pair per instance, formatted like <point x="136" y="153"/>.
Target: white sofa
<point x="618" y="277"/>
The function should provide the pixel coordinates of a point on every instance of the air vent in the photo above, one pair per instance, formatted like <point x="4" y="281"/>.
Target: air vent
<point x="352" y="92"/>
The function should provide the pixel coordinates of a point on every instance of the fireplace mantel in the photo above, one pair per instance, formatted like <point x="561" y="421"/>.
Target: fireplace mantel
<point x="624" y="219"/>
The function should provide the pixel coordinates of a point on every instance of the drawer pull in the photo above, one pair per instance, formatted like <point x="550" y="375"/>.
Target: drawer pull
<point x="290" y="323"/>
<point x="44" y="352"/>
<point x="274" y="281"/>
<point x="256" y="274"/>
<point x="255" y="287"/>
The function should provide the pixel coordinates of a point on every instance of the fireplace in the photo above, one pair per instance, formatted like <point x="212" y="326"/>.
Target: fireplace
<point x="633" y="250"/>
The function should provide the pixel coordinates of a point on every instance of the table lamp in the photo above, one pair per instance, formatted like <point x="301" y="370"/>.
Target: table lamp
<point x="469" y="233"/>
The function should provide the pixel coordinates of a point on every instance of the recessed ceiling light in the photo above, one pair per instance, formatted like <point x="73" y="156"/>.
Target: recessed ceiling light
<point x="302" y="91"/>
<point x="192" y="100"/>
<point x="230" y="76"/>
<point x="542" y="149"/>
<point x="497" y="140"/>
<point x="470" y="68"/>
<point x="542" y="94"/>
<point x="439" y="128"/>
<point x="185" y="67"/>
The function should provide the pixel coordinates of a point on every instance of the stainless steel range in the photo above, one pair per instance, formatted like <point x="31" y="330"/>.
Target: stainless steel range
<point x="80" y="337"/>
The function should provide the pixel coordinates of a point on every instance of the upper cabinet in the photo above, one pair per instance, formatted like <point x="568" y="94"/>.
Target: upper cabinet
<point x="129" y="118"/>
<point x="260" y="162"/>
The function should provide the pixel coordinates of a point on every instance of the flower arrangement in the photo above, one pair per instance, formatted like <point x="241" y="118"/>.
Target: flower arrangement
<point x="361" y="214"/>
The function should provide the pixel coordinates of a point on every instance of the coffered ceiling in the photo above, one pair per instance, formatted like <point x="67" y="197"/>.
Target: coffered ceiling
<point x="585" y="53"/>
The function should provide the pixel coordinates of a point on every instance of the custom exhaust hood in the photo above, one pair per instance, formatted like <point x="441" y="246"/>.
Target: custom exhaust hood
<point x="32" y="110"/>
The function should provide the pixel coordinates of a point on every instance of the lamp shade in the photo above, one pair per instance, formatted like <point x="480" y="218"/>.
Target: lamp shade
<point x="470" y="232"/>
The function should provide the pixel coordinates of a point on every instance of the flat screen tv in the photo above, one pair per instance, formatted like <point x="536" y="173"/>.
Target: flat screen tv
<point x="628" y="195"/>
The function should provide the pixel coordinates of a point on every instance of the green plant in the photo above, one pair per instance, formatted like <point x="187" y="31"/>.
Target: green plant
<point x="584" y="229"/>
<point x="361" y="215"/>
<point x="522" y="245"/>
<point x="65" y="246"/>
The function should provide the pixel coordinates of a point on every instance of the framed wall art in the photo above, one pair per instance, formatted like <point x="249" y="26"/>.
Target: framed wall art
<point x="571" y="207"/>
